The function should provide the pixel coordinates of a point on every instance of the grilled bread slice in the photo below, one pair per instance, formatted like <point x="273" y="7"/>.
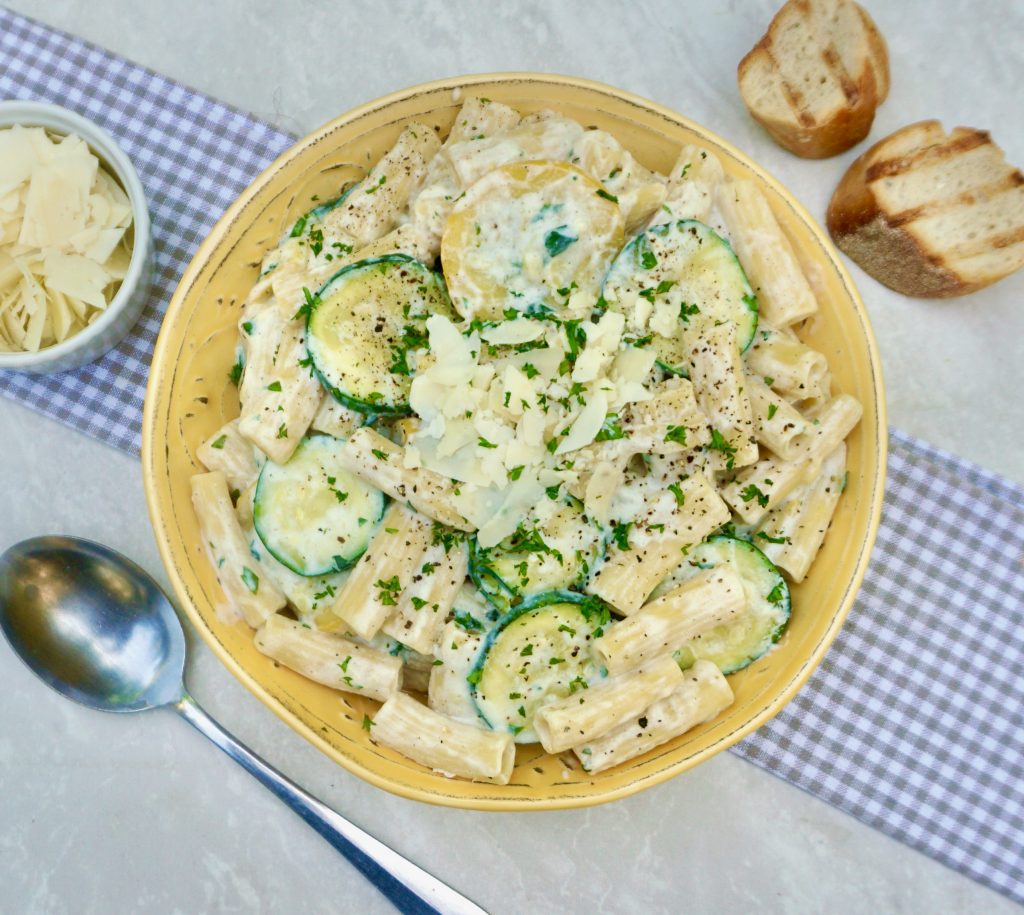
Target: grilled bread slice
<point x="930" y="214"/>
<point x="816" y="77"/>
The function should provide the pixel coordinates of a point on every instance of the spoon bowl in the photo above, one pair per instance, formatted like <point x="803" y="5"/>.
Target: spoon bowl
<point x="91" y="624"/>
<point x="96" y="628"/>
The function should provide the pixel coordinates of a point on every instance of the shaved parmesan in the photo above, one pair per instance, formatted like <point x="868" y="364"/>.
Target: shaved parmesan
<point x="65" y="238"/>
<point x="587" y="424"/>
<point x="508" y="333"/>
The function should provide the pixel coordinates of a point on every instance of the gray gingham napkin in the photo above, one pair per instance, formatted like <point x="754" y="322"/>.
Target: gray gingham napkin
<point x="914" y="723"/>
<point x="194" y="156"/>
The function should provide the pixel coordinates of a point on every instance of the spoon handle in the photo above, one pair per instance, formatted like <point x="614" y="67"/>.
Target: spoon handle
<point x="409" y="887"/>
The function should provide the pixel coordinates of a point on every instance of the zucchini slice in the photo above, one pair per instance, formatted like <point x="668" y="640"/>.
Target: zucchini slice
<point x="537" y="650"/>
<point x="313" y="516"/>
<point x="675" y="276"/>
<point x="556" y="553"/>
<point x="365" y="326"/>
<point x="735" y="645"/>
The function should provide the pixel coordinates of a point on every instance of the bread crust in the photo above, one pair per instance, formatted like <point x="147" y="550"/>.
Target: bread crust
<point x="798" y="131"/>
<point x="878" y="241"/>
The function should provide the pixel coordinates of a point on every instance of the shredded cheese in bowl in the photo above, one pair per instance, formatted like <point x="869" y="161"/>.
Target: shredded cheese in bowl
<point x="66" y="237"/>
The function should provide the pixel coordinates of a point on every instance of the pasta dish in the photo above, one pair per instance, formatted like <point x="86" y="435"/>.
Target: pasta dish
<point x="529" y="448"/>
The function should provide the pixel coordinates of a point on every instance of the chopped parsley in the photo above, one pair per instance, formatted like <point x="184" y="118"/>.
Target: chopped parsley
<point x="442" y="535"/>
<point x="307" y="308"/>
<point x="676" y="434"/>
<point x="468" y="622"/>
<point x="620" y="534"/>
<point x="603" y="193"/>
<point x="773" y="408"/>
<point x="751" y="492"/>
<point x="219" y="442"/>
<point x="718" y="443"/>
<point x="250" y="579"/>
<point x="610" y="429"/>
<point x="235" y="375"/>
<point x="557" y="240"/>
<point x="662" y="287"/>
<point x="644" y="255"/>
<point x="389" y="589"/>
<point x="677" y="491"/>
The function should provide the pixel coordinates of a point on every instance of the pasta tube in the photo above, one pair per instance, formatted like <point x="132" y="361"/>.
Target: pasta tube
<point x="479" y="117"/>
<point x="759" y="489"/>
<point x="829" y="427"/>
<point x="227" y="451"/>
<point x="763" y="487"/>
<point x="372" y="591"/>
<point x="717" y="375"/>
<point x="692" y="185"/>
<point x="329" y="659"/>
<point x="448" y="691"/>
<point x="713" y="597"/>
<point x="439" y="743"/>
<point x="783" y="294"/>
<point x="336" y="419"/>
<point x="379" y="461"/>
<point x="279" y="395"/>
<point x="627" y="576"/>
<point x="788" y="366"/>
<point x="669" y="422"/>
<point x="583" y="716"/>
<point x="239" y="575"/>
<point x="791" y="535"/>
<point x="426" y="600"/>
<point x="373" y="208"/>
<point x="776" y="422"/>
<point x="702" y="695"/>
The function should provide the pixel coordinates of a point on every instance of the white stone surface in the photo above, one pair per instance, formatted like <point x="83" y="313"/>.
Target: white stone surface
<point x="108" y="814"/>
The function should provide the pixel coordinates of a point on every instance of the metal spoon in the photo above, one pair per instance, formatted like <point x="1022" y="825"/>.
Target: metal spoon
<point x="95" y="627"/>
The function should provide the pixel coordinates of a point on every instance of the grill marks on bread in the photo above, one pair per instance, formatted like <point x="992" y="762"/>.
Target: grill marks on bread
<point x="931" y="214"/>
<point x="816" y="77"/>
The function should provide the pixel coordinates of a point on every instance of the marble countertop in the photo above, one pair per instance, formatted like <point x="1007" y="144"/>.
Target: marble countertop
<point x="104" y="814"/>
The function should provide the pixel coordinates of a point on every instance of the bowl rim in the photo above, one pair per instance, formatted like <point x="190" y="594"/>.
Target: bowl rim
<point x="59" y="119"/>
<point x="151" y="452"/>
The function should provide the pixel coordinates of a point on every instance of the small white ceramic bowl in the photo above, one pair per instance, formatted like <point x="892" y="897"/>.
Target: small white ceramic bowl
<point x="123" y="311"/>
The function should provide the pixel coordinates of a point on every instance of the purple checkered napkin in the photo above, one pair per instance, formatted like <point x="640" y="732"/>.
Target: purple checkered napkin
<point x="913" y="723"/>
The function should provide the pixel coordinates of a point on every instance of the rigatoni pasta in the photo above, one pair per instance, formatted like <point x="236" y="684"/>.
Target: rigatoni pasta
<point x="516" y="438"/>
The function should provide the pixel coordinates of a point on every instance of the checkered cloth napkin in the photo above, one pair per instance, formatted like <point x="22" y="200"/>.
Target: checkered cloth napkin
<point x="914" y="722"/>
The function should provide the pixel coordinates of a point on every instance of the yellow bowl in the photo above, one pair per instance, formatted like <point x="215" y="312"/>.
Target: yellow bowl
<point x="189" y="397"/>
